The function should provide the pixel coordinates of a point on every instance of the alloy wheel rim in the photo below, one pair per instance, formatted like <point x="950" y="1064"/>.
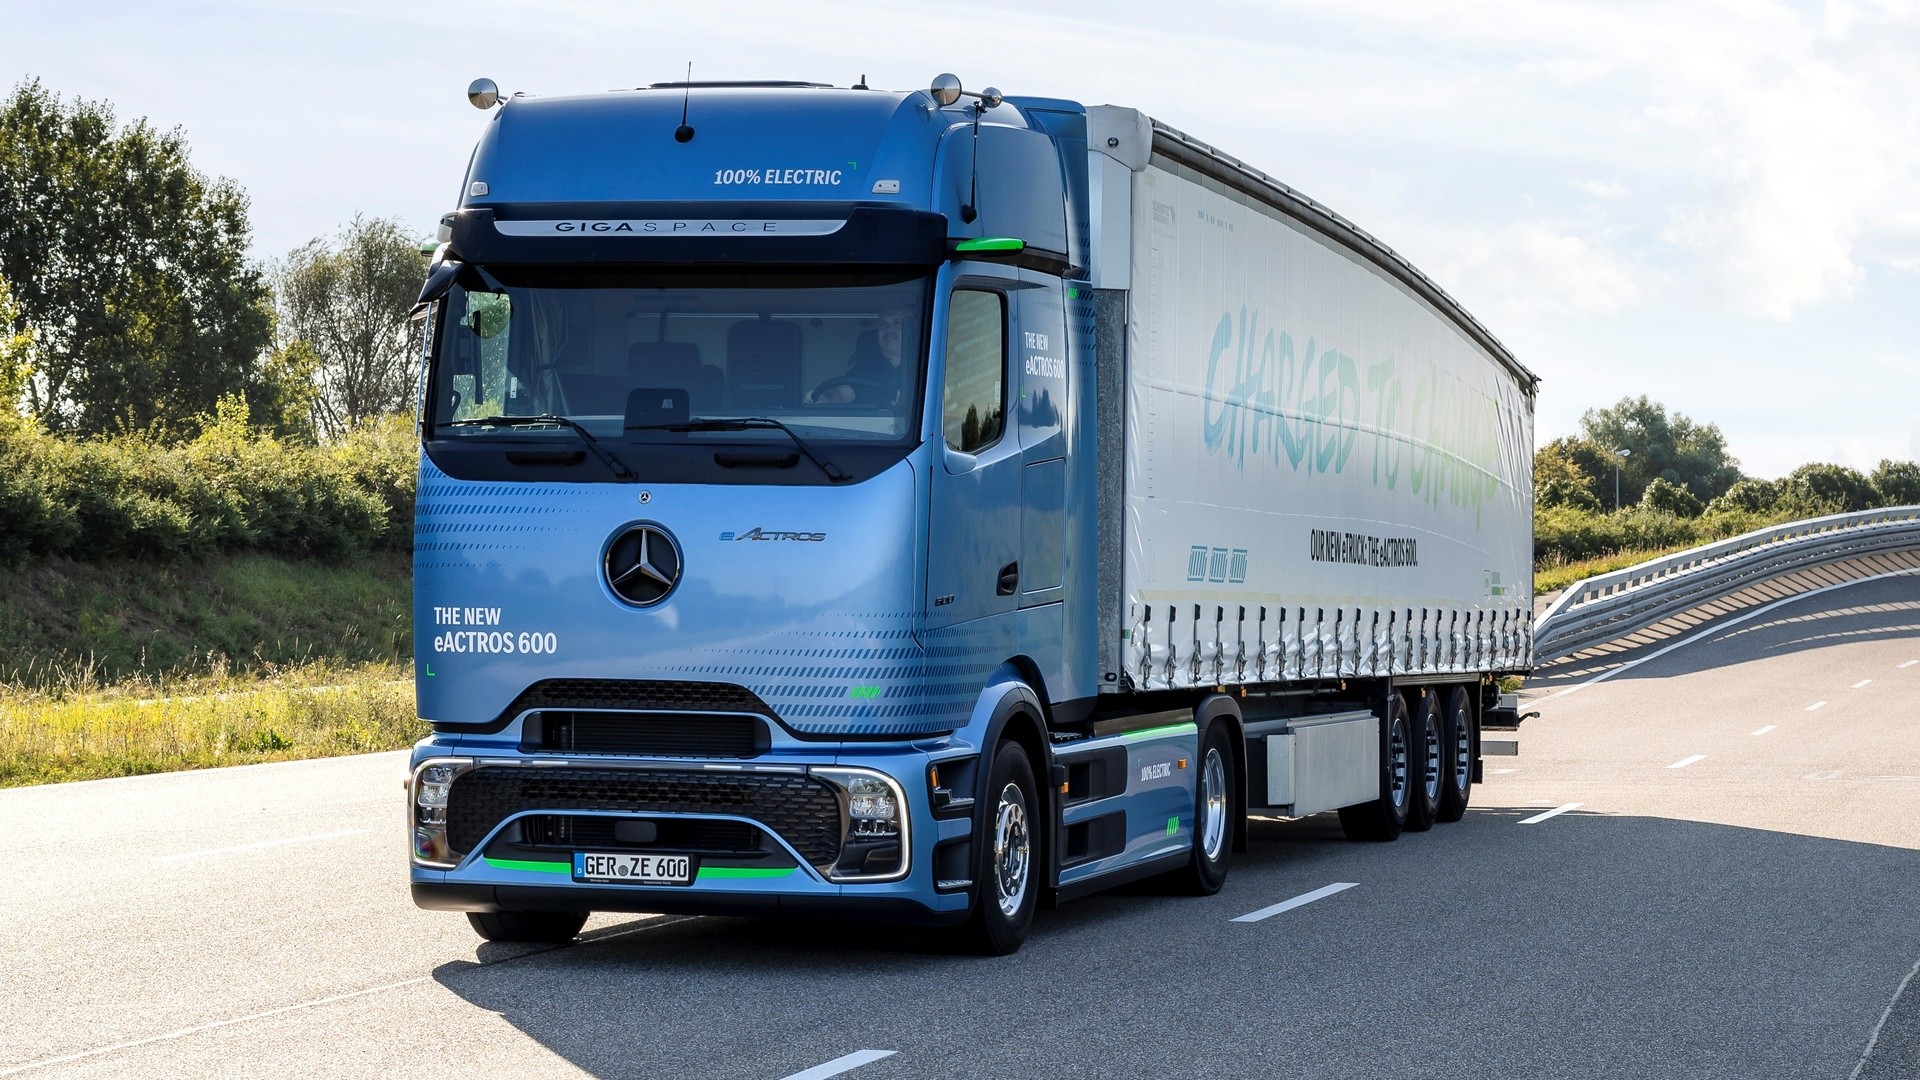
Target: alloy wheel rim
<point x="1010" y="850"/>
<point x="1397" y="747"/>
<point x="1434" y="756"/>
<point x="1213" y="787"/>
<point x="1462" y="750"/>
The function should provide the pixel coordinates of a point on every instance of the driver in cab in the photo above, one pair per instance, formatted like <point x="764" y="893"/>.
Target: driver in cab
<point x="873" y="372"/>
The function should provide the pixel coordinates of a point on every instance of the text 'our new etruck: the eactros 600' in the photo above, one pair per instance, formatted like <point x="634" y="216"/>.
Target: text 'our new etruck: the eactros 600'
<point x="928" y="506"/>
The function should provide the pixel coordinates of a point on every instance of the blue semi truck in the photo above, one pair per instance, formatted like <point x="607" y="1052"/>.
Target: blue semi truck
<point x="929" y="506"/>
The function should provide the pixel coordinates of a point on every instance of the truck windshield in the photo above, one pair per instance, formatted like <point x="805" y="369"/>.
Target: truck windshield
<point x="625" y="354"/>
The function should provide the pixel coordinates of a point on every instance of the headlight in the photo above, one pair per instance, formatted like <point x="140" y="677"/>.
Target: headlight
<point x="432" y="783"/>
<point x="873" y="845"/>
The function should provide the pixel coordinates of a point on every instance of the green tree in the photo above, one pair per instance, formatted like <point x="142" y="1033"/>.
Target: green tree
<point x="15" y="368"/>
<point x="1820" y="488"/>
<point x="129" y="266"/>
<point x="1558" y="479"/>
<point x="1668" y="497"/>
<point x="346" y="301"/>
<point x="1673" y="447"/>
<point x="1898" y="482"/>
<point x="1747" y="496"/>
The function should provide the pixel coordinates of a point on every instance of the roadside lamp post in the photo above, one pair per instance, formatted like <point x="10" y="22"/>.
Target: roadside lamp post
<point x="1618" y="456"/>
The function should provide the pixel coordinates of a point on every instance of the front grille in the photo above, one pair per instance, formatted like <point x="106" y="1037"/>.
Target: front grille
<point x="637" y="694"/>
<point x="802" y="810"/>
<point x="659" y="734"/>
<point x="673" y="834"/>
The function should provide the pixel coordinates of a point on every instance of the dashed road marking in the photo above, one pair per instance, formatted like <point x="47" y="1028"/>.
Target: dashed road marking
<point x="1816" y="705"/>
<point x="1503" y="772"/>
<point x="841" y="1064"/>
<point x="1271" y="910"/>
<point x="1860" y="684"/>
<point x="1553" y="813"/>
<point x="177" y="856"/>
<point x="1766" y="729"/>
<point x="1686" y="761"/>
<point x="1830" y="774"/>
<point x="1908" y="664"/>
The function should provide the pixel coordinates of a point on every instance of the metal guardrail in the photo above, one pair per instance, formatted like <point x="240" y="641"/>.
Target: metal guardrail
<point x="1609" y="606"/>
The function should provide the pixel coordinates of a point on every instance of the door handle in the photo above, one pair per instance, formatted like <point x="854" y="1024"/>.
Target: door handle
<point x="1009" y="578"/>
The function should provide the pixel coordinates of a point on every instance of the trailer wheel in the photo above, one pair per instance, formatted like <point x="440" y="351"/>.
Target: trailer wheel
<point x="1213" y="800"/>
<point x="1384" y="817"/>
<point x="1458" y="749"/>
<point x="1429" y="761"/>
<point x="1005" y="889"/>
<point x="551" y="927"/>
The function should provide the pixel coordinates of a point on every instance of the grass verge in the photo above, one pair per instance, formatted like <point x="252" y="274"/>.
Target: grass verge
<point x="142" y="726"/>
<point x="71" y="627"/>
<point x="1551" y="576"/>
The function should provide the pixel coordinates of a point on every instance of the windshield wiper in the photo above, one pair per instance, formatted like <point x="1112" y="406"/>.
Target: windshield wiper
<point x="619" y="468"/>
<point x="748" y="423"/>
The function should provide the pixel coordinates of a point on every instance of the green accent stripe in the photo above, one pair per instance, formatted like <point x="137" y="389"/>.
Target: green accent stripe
<point x="1165" y="729"/>
<point x="991" y="243"/>
<point x="1173" y="825"/>
<point x="536" y="867"/>
<point x="708" y="873"/>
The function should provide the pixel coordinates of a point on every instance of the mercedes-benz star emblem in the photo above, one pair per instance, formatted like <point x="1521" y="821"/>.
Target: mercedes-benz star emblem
<point x="643" y="565"/>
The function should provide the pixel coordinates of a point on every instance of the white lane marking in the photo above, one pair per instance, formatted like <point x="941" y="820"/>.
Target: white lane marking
<point x="1893" y="777"/>
<point x="1908" y="664"/>
<point x="198" y="1028"/>
<point x="255" y="846"/>
<point x="840" y="1064"/>
<point x="1503" y="772"/>
<point x="1831" y="774"/>
<point x="1860" y="684"/>
<point x="1555" y="812"/>
<point x="1888" y="1011"/>
<point x="1766" y="729"/>
<point x="1271" y="910"/>
<point x="1686" y="761"/>
<point x="1816" y="705"/>
<point x="1717" y="626"/>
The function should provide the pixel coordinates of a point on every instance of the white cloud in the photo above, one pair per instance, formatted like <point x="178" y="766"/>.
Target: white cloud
<point x="1605" y="189"/>
<point x="1532" y="267"/>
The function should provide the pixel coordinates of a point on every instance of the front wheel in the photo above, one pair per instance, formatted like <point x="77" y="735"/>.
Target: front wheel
<point x="1005" y="891"/>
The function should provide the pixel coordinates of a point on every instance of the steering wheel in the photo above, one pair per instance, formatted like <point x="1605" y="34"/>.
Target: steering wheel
<point x="884" y="393"/>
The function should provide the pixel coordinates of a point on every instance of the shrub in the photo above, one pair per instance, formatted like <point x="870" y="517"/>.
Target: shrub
<point x="1665" y="496"/>
<point x="232" y="489"/>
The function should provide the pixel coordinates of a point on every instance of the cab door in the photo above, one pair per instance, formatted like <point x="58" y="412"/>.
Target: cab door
<point x="973" y="527"/>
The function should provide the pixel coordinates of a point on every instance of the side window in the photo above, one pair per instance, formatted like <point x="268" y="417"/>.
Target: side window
<point x="972" y="402"/>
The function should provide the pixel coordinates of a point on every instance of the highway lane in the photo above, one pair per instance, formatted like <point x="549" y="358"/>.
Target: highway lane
<point x="1748" y="914"/>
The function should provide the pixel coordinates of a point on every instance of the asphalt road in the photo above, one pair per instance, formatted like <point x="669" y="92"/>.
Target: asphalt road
<point x="1734" y="896"/>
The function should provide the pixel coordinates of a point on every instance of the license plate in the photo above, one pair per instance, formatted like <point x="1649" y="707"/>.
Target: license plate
<point x="633" y="869"/>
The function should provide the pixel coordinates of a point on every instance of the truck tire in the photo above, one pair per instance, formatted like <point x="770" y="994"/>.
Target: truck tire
<point x="1006" y="888"/>
<point x="1383" y="818"/>
<point x="1214" y="800"/>
<point x="1457" y="747"/>
<point x="1429" y="759"/>
<point x="550" y="927"/>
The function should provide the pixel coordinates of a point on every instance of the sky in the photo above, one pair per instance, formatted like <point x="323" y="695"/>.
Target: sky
<point x="1713" y="203"/>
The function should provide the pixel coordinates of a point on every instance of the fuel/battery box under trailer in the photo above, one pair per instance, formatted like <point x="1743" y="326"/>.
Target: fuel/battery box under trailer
<point x="923" y="506"/>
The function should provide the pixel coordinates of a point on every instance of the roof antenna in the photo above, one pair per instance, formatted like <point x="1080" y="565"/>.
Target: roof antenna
<point x="862" y="84"/>
<point x="684" y="133"/>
